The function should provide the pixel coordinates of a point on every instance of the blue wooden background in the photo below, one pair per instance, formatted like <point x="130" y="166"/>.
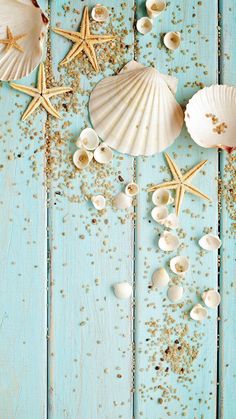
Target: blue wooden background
<point x="69" y="348"/>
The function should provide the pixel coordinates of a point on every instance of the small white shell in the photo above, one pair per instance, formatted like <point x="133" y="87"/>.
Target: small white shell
<point x="172" y="40"/>
<point x="179" y="265"/>
<point x="100" y="13"/>
<point x="162" y="197"/>
<point x="159" y="214"/>
<point x="122" y="290"/>
<point x="99" y="202"/>
<point x="103" y="154"/>
<point x="122" y="201"/>
<point x="160" y="278"/>
<point x="132" y="189"/>
<point x="172" y="221"/>
<point x="175" y="293"/>
<point x="210" y="242"/>
<point x="144" y="25"/>
<point x="155" y="7"/>
<point x="89" y="139"/>
<point x="211" y="298"/>
<point x="168" y="241"/>
<point x="82" y="158"/>
<point x="198" y="312"/>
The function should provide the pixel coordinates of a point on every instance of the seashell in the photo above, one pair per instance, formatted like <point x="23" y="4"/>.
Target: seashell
<point x="172" y="40"/>
<point x="132" y="189"/>
<point x="122" y="290"/>
<point x="210" y="117"/>
<point x="160" y="278"/>
<point x="175" y="293"/>
<point x="159" y="214"/>
<point x="155" y="7"/>
<point x="211" y="298"/>
<point x="144" y="25"/>
<point x="89" y="139"/>
<point x="168" y="241"/>
<point x="103" y="154"/>
<point x="100" y="13"/>
<point x="82" y="158"/>
<point x="99" y="202"/>
<point x="172" y="221"/>
<point x="122" y="201"/>
<point x="198" y="312"/>
<point x="24" y="20"/>
<point x="117" y="110"/>
<point x="210" y="242"/>
<point x="179" y="265"/>
<point x="162" y="197"/>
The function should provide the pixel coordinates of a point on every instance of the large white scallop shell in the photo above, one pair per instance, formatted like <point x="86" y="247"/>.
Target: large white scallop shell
<point x="210" y="117"/>
<point x="135" y="112"/>
<point x="21" y="17"/>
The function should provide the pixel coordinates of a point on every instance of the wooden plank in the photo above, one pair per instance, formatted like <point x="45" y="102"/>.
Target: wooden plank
<point x="168" y="381"/>
<point x="23" y="267"/>
<point x="227" y="376"/>
<point x="90" y="346"/>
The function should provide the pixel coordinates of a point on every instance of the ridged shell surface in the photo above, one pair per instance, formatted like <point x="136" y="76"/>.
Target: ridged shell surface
<point x="210" y="117"/>
<point x="21" y="17"/>
<point x="135" y="112"/>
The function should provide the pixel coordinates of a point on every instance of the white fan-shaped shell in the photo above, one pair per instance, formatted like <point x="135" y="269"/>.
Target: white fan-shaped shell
<point x="210" y="117"/>
<point x="135" y="112"/>
<point x="22" y="17"/>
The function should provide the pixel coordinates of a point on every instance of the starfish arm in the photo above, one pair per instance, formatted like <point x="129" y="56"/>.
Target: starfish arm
<point x="100" y="39"/>
<point x="84" y="27"/>
<point x="192" y="172"/>
<point x="177" y="175"/>
<point x="41" y="84"/>
<point x="34" y="104"/>
<point x="30" y="91"/>
<point x="89" y="51"/>
<point x="179" y="198"/>
<point x="50" y="108"/>
<point x="195" y="191"/>
<point x="4" y="41"/>
<point x="57" y="91"/>
<point x="166" y="185"/>
<point x="18" y="47"/>
<point x="75" y="50"/>
<point x="71" y="35"/>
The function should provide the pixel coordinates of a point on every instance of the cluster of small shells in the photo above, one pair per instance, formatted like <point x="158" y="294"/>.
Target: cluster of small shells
<point x="144" y="25"/>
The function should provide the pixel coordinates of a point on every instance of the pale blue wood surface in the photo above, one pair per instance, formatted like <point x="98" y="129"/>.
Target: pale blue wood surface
<point x="89" y="358"/>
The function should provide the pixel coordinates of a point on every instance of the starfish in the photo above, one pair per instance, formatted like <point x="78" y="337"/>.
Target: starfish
<point x="11" y="41"/>
<point x="41" y="95"/>
<point x="84" y="41"/>
<point x="181" y="183"/>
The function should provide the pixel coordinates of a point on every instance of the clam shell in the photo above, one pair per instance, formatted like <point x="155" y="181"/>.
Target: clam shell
<point x="132" y="189"/>
<point x="162" y="197"/>
<point x="172" y="40"/>
<point x="179" y="265"/>
<point x="99" y="202"/>
<point x="210" y="117"/>
<point x="122" y="290"/>
<point x="103" y="154"/>
<point x="168" y="241"/>
<point x="21" y="17"/>
<point x="144" y="25"/>
<point x="155" y="7"/>
<point x="160" y="278"/>
<point x="210" y="242"/>
<point x="211" y="298"/>
<point x="89" y="139"/>
<point x="175" y="293"/>
<point x="198" y="312"/>
<point x="122" y="201"/>
<point x="100" y="13"/>
<point x="117" y="110"/>
<point x="159" y="214"/>
<point x="82" y="158"/>
<point x="172" y="221"/>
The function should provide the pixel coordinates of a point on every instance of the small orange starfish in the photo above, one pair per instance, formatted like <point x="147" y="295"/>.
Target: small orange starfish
<point x="11" y="41"/>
